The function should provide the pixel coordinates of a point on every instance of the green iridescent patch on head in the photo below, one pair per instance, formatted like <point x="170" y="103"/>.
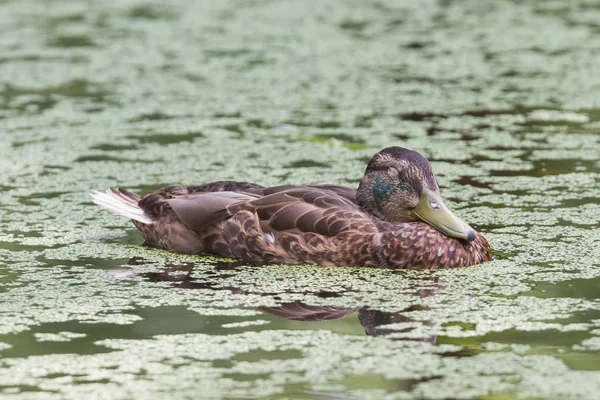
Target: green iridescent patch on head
<point x="383" y="188"/>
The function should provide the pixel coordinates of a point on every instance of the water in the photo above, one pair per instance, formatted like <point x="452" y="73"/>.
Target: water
<point x="502" y="97"/>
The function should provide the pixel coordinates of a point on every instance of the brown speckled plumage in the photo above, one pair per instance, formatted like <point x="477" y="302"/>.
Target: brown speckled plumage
<point x="325" y="225"/>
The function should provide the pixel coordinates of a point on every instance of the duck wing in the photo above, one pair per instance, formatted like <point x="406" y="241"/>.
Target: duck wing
<point x="306" y="209"/>
<point x="200" y="210"/>
<point x="294" y="209"/>
<point x="342" y="191"/>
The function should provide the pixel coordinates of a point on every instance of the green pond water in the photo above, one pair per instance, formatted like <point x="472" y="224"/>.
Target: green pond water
<point x="502" y="96"/>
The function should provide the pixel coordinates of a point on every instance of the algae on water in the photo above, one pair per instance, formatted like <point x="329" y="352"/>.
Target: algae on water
<point x="501" y="97"/>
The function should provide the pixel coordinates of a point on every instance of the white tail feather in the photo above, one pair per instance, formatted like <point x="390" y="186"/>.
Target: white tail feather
<point x="121" y="205"/>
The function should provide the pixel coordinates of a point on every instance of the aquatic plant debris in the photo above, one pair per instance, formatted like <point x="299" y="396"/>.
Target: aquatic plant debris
<point x="142" y="95"/>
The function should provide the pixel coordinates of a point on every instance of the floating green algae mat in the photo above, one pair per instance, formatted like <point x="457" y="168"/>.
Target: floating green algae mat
<point x="502" y="97"/>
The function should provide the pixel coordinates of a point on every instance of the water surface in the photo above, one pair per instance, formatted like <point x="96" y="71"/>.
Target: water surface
<point x="502" y="97"/>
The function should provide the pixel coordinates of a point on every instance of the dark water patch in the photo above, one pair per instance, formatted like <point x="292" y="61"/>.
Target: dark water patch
<point x="580" y="361"/>
<point x="166" y="139"/>
<point x="354" y="25"/>
<point x="550" y="167"/>
<point x="256" y="356"/>
<point x="510" y="172"/>
<point x="472" y="160"/>
<point x="415" y="79"/>
<point x="44" y="98"/>
<point x="56" y="168"/>
<point x="462" y="353"/>
<point x="565" y="166"/>
<point x="351" y="142"/>
<point x="401" y="136"/>
<point x="15" y="246"/>
<point x="33" y="199"/>
<point x="592" y="113"/>
<point x="22" y="234"/>
<point x="508" y="148"/>
<point x="307" y="164"/>
<point x="324" y="124"/>
<point x="578" y="317"/>
<point x="375" y="382"/>
<point x="46" y="195"/>
<point x="433" y="130"/>
<point x="153" y="116"/>
<point x="364" y="121"/>
<point x="415" y="116"/>
<point x="487" y="113"/>
<point x="354" y="28"/>
<point x="465" y="326"/>
<point x="466" y="137"/>
<point x="179" y="320"/>
<point x="87" y="262"/>
<point x="577" y="202"/>
<point x="509" y="73"/>
<point x="550" y="342"/>
<point x="71" y="41"/>
<point x="7" y="188"/>
<point x="233" y="265"/>
<point x="247" y="377"/>
<point x="17" y="144"/>
<point x="470" y="181"/>
<point x="53" y="22"/>
<point x="103" y="158"/>
<point x="326" y="105"/>
<point x="324" y="294"/>
<point x="112" y="147"/>
<point x="425" y="116"/>
<point x="184" y="321"/>
<point x="151" y="12"/>
<point x="26" y="344"/>
<point x="70" y="59"/>
<point x="235" y="114"/>
<point x="24" y="389"/>
<point x="498" y="254"/>
<point x="258" y="123"/>
<point x="588" y="289"/>
<point x="194" y="77"/>
<point x="551" y="123"/>
<point x="254" y="62"/>
<point x="226" y="53"/>
<point x="417" y="45"/>
<point x="132" y="236"/>
<point x="235" y="128"/>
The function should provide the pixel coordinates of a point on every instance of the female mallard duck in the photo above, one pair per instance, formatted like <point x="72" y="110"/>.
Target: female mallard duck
<point x="396" y="218"/>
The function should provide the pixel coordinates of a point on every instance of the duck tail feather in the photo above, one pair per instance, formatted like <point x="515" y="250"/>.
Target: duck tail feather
<point x="121" y="202"/>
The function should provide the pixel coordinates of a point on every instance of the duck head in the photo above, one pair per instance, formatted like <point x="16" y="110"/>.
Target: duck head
<point x="399" y="186"/>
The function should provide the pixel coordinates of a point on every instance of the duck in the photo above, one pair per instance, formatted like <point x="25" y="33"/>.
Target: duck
<point x="396" y="218"/>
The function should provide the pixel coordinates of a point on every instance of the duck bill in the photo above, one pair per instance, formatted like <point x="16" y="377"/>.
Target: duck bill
<point x="431" y="209"/>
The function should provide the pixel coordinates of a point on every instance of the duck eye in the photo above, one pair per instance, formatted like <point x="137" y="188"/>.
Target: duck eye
<point x="434" y="204"/>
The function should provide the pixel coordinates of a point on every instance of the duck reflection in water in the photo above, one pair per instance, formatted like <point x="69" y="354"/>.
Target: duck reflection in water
<point x="374" y="322"/>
